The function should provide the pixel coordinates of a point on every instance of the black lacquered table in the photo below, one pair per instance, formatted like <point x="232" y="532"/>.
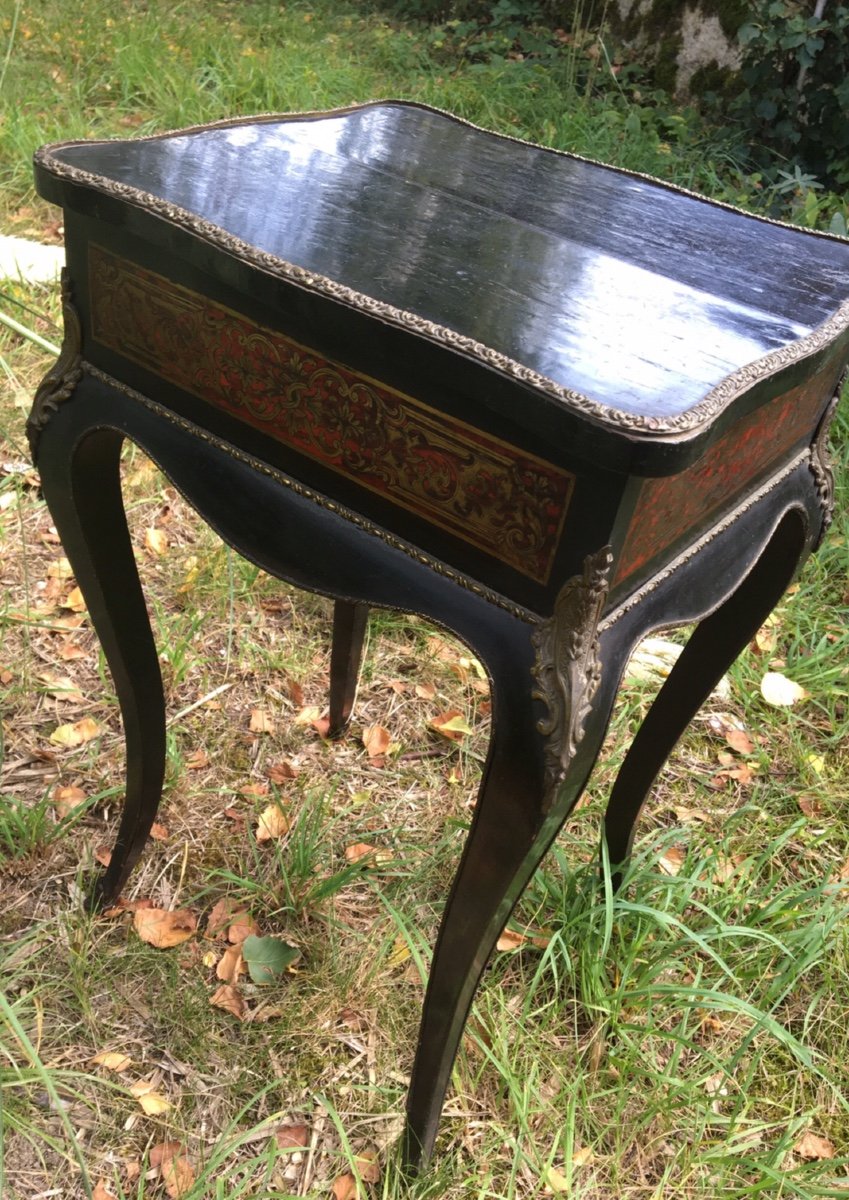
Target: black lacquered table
<point x="405" y="362"/>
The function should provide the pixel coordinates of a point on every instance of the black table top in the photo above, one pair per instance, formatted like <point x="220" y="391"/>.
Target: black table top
<point x="628" y="291"/>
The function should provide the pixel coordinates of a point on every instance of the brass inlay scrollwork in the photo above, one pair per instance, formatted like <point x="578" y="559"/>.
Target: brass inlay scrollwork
<point x="58" y="384"/>
<point x="821" y="464"/>
<point x="567" y="667"/>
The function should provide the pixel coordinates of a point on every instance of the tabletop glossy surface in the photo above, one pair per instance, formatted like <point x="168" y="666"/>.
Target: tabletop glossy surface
<point x="639" y="296"/>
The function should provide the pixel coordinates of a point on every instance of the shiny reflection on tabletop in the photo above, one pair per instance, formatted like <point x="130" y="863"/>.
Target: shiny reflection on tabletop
<point x="638" y="296"/>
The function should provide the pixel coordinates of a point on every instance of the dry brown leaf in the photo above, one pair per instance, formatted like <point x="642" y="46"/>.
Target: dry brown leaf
<point x="425" y="691"/>
<point x="740" y="741"/>
<point x="60" y="568"/>
<point x="281" y="772"/>
<point x="582" y="1157"/>
<point x="220" y="916"/>
<point x="510" y="939"/>
<point x="272" y="824"/>
<point x="197" y="760"/>
<point x="368" y="855"/>
<point x="672" y="860"/>
<point x="261" y="721"/>
<point x="744" y="774"/>
<point x="112" y="1060"/>
<point x="812" y="1147"/>
<point x="101" y="1191"/>
<point x="70" y="651"/>
<point x="242" y="926"/>
<point x="291" y="1137"/>
<point x="254" y="791"/>
<point x="294" y="691"/>
<point x="163" y="928"/>
<point x="843" y="873"/>
<point x="368" y="1165"/>
<point x="163" y="1151"/>
<point x="178" y="1176"/>
<point x="159" y="832"/>
<point x="66" y="799"/>
<point x="780" y="691"/>
<point x="810" y="806"/>
<point x="76" y="734"/>
<point x="61" y="687"/>
<point x="451" y="724"/>
<point x="376" y="740"/>
<point x="230" y="999"/>
<point x="231" y="965"/>
<point x="345" y="1188"/>
<point x="156" y="541"/>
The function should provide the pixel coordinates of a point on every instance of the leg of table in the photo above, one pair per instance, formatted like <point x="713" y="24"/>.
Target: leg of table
<point x="714" y="645"/>
<point x="349" y="627"/>
<point x="514" y="824"/>
<point x="83" y="491"/>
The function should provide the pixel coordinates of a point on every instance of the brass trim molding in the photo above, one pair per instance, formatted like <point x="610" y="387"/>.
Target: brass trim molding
<point x="58" y="384"/>
<point x="567" y="667"/>
<point x="821" y="462"/>
<point x="713" y="403"/>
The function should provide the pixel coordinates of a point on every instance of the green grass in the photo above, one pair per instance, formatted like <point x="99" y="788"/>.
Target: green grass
<point x="675" y="1041"/>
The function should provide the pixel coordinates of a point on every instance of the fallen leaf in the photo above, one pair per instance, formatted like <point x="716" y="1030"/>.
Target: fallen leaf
<point x="810" y="806"/>
<point x="451" y="724"/>
<point x="744" y="774"/>
<point x="231" y="965"/>
<point x="154" y="1104"/>
<point x="272" y="823"/>
<point x="76" y="734"/>
<point x="112" y="1060"/>
<point x="230" y="999"/>
<point x="67" y="799"/>
<point x="254" y="791"/>
<point x="362" y="852"/>
<point x="220" y="916"/>
<point x="294" y="691"/>
<point x="281" y="772"/>
<point x="811" y="1146"/>
<point x="291" y="1137"/>
<point x="268" y="957"/>
<point x="156" y="541"/>
<point x="163" y="928"/>
<point x="740" y="741"/>
<point x="70" y="651"/>
<point x="765" y="638"/>
<point x="158" y="832"/>
<point x="425" y="691"/>
<point x="306" y="716"/>
<point x="557" y="1181"/>
<point x="101" y="1191"/>
<point x="61" y="687"/>
<point x="376" y="740"/>
<point x="510" y="939"/>
<point x="345" y="1188"/>
<point x="816" y="762"/>
<point x="60" y="568"/>
<point x="582" y="1157"/>
<point x="178" y="1176"/>
<point x="261" y="721"/>
<point x="75" y="601"/>
<point x="368" y="1165"/>
<point x="242" y="926"/>
<point x="197" y="760"/>
<point x="780" y="691"/>
<point x="672" y="860"/>
<point x="162" y="1151"/>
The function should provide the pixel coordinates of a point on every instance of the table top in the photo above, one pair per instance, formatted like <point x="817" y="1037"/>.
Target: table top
<point x="608" y="285"/>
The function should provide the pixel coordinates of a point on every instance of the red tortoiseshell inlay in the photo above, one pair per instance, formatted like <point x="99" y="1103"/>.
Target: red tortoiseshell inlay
<point x="670" y="507"/>
<point x="498" y="498"/>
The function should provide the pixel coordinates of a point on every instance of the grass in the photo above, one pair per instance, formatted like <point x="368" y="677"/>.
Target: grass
<point x="686" y="1038"/>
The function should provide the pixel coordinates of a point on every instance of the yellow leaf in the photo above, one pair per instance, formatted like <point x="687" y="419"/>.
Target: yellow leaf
<point x="816" y="762"/>
<point x="556" y="1180"/>
<point x="272" y="824"/>
<point x="156" y="541"/>
<point x="75" y="601"/>
<point x="368" y="855"/>
<point x="582" y="1157"/>
<point x="780" y="691"/>
<point x="163" y="929"/>
<point x="451" y="724"/>
<point x="154" y="1104"/>
<point x="112" y="1060"/>
<point x="76" y="734"/>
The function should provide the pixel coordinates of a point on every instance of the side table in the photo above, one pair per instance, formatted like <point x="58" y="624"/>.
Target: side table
<point x="402" y="361"/>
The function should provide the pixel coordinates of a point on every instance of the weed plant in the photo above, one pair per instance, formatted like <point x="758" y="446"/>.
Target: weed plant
<point x="684" y="1038"/>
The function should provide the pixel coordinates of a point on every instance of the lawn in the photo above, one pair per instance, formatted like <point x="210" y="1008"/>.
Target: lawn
<point x="687" y="1038"/>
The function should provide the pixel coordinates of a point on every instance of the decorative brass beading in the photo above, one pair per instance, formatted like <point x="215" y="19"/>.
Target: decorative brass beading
<point x="567" y="667"/>
<point x="821" y="464"/>
<point x="58" y="384"/>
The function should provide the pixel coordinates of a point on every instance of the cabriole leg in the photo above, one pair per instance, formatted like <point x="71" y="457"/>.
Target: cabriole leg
<point x="349" y="627"/>
<point x="714" y="645"/>
<point x="83" y="492"/>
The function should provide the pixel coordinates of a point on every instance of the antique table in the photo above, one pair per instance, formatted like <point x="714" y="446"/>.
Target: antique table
<point x="406" y="362"/>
